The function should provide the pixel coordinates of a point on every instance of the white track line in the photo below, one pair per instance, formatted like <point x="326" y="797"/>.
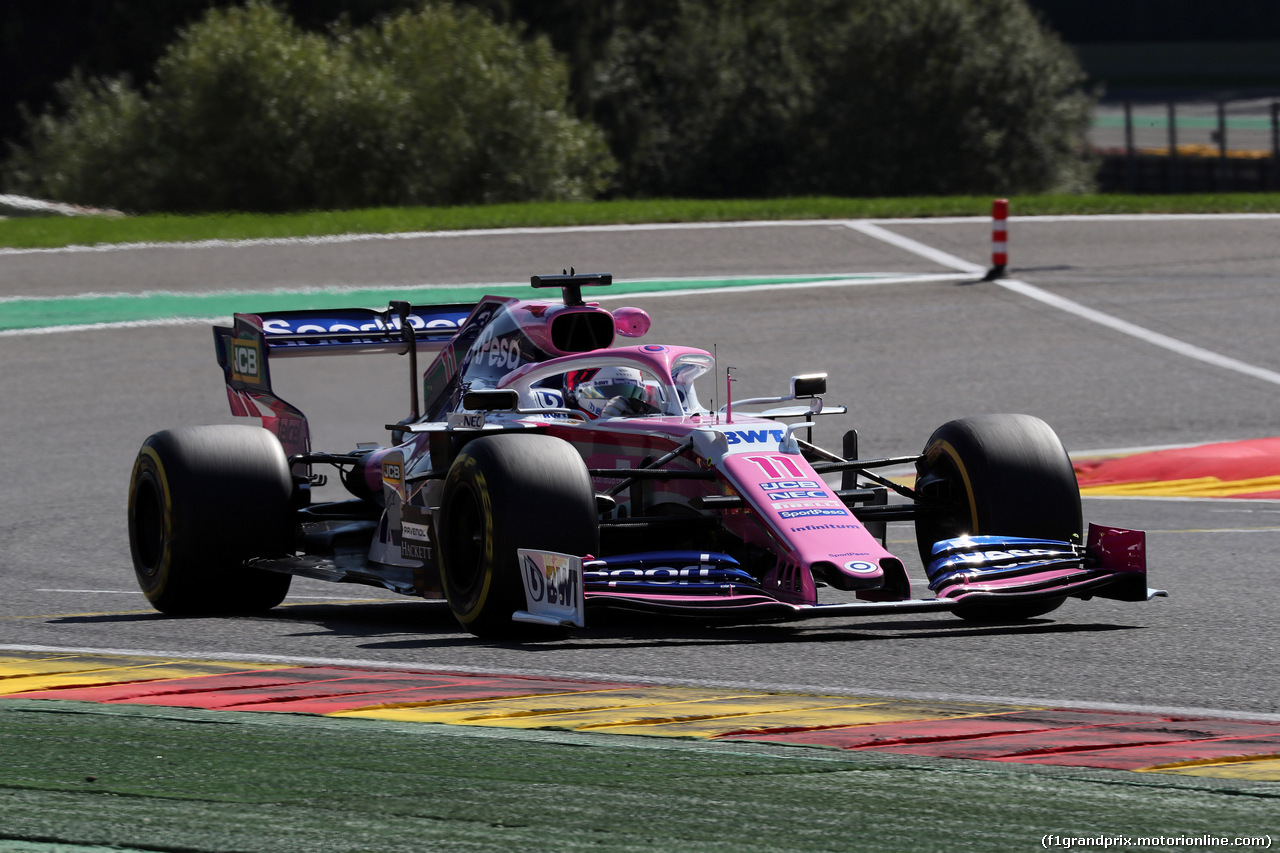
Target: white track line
<point x="1152" y="337"/>
<point x="915" y="247"/>
<point x="1254" y="504"/>
<point x="871" y="228"/>
<point x="798" y="279"/>
<point x="650" y="226"/>
<point x="120" y="324"/>
<point x="763" y="686"/>
<point x="1083" y="217"/>
<point x="429" y="235"/>
<point x="807" y="285"/>
<point x="1149" y="336"/>
<point x="97" y="591"/>
<point x="885" y="278"/>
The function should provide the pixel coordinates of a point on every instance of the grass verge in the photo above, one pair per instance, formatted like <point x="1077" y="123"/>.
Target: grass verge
<point x="78" y="776"/>
<point x="53" y="232"/>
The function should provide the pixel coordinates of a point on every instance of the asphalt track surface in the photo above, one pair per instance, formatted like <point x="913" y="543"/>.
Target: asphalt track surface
<point x="905" y="357"/>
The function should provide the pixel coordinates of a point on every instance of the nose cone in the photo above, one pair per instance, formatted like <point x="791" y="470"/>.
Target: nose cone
<point x="849" y="574"/>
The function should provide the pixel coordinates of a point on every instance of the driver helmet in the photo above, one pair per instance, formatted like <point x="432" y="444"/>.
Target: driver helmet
<point x="591" y="390"/>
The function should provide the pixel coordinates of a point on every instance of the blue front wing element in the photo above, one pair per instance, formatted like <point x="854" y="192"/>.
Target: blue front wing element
<point x="672" y="572"/>
<point x="989" y="557"/>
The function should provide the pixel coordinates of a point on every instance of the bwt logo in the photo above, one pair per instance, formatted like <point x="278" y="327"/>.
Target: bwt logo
<point x="754" y="436"/>
<point x="562" y="589"/>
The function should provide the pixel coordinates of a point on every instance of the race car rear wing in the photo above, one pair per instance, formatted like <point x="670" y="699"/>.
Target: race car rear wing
<point x="246" y="349"/>
<point x="347" y="331"/>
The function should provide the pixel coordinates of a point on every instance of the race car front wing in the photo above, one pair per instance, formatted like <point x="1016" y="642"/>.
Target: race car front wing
<point x="967" y="572"/>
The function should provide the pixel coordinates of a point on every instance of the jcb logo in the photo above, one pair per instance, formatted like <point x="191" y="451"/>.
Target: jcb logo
<point x="391" y="472"/>
<point x="245" y="362"/>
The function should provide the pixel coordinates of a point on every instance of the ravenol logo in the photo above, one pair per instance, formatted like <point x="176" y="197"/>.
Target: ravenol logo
<point x="246" y="361"/>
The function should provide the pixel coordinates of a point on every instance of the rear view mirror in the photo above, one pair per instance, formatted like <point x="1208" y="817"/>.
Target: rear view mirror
<point x="498" y="399"/>
<point x="808" y="385"/>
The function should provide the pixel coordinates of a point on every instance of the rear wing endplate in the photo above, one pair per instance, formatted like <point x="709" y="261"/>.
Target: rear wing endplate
<point x="246" y="348"/>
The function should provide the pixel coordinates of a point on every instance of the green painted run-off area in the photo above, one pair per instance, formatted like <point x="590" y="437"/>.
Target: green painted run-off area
<point x="75" y="776"/>
<point x="25" y="312"/>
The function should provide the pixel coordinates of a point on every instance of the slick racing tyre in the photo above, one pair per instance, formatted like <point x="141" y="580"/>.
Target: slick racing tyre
<point x="201" y="501"/>
<point x="1003" y="475"/>
<point x="502" y="493"/>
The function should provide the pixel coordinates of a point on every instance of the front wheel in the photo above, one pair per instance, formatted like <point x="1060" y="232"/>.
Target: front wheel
<point x="503" y="493"/>
<point x="1001" y="475"/>
<point x="201" y="501"/>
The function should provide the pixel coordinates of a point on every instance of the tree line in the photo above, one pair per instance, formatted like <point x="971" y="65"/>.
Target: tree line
<point x="190" y="105"/>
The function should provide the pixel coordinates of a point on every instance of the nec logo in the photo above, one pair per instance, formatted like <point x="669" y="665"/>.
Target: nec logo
<point x="466" y="420"/>
<point x="796" y="494"/>
<point x="754" y="436"/>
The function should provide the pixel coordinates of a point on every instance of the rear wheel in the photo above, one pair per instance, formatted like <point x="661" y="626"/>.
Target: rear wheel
<point x="1003" y="475"/>
<point x="503" y="493"/>
<point x="201" y="501"/>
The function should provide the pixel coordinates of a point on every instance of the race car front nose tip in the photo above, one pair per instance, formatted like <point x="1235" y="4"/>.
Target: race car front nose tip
<point x="851" y="576"/>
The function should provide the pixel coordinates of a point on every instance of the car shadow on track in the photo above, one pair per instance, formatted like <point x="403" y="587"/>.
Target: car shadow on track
<point x="676" y="636"/>
<point x="647" y="633"/>
<point x="410" y="625"/>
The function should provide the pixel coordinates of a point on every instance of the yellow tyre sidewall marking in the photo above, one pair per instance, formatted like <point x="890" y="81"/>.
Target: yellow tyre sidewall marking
<point x="944" y="447"/>
<point x="486" y="511"/>
<point x="162" y="574"/>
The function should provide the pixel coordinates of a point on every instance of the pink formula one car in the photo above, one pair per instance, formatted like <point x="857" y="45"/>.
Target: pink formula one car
<point x="546" y="477"/>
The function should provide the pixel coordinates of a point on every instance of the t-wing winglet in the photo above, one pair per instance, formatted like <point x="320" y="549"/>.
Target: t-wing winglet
<point x="572" y="283"/>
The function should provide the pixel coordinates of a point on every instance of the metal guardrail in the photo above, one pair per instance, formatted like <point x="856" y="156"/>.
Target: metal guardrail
<point x="1197" y="146"/>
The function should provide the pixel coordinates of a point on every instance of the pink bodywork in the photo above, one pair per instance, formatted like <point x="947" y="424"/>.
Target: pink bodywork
<point x="792" y="511"/>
